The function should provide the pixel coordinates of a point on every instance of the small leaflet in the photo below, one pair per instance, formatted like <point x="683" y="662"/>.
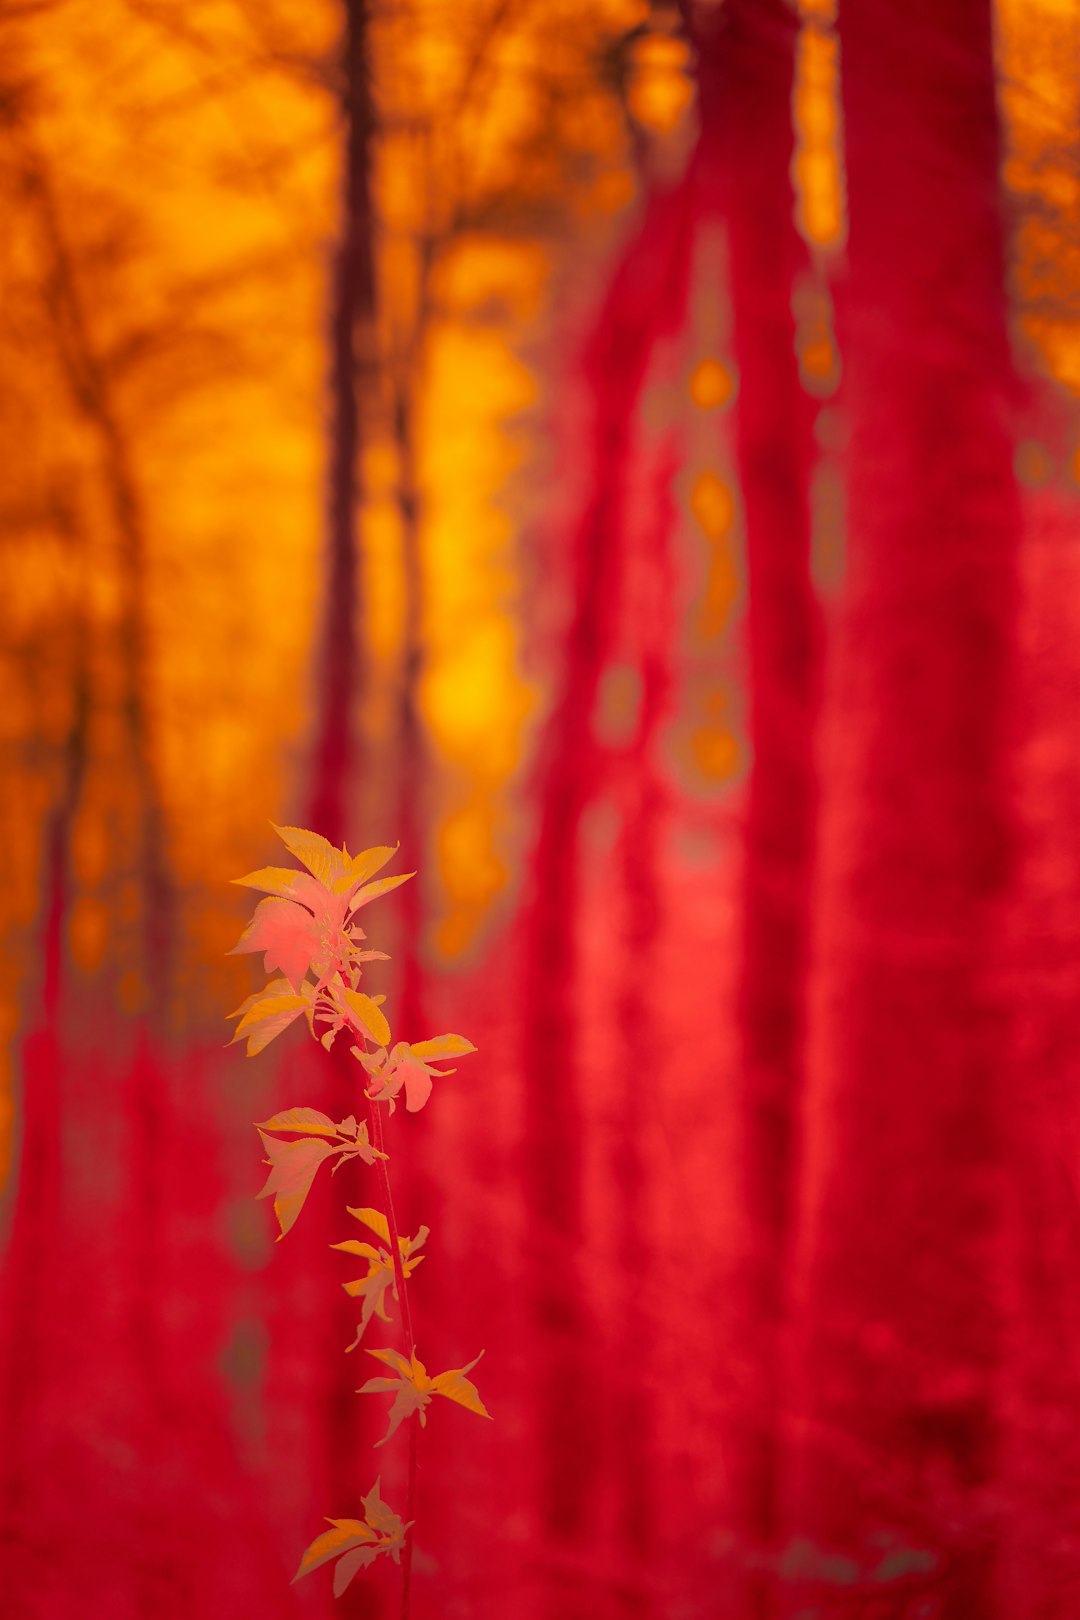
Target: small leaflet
<point x="405" y="1068"/>
<point x="293" y="1168"/>
<point x="325" y="863"/>
<point x="307" y="928"/>
<point x="372" y="891"/>
<point x="371" y="1289"/>
<point x="264" y="1015"/>
<point x="356" y="1543"/>
<point x="412" y="1388"/>
<point x="294" y="1165"/>
<point x="367" y="1013"/>
<point x="306" y="1121"/>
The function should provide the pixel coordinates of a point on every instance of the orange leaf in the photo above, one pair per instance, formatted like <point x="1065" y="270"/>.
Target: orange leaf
<point x="367" y="1251"/>
<point x="413" y="1389"/>
<point x="293" y="1168"/>
<point x="404" y="1068"/>
<point x="442" y="1046"/>
<point x="325" y="863"/>
<point x="346" y="1533"/>
<point x="362" y="1147"/>
<point x="382" y="1518"/>
<point x="373" y="1218"/>
<point x="269" y="1011"/>
<point x="366" y="1011"/>
<point x="284" y="881"/>
<point x="276" y="987"/>
<point x="372" y="891"/>
<point x="372" y="1288"/>
<point x="305" y="1121"/>
<point x="365" y="865"/>
<point x="456" y="1387"/>
<point x="356" y="1542"/>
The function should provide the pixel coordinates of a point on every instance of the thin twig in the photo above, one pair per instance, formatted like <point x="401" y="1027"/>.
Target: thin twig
<point x="410" y="1347"/>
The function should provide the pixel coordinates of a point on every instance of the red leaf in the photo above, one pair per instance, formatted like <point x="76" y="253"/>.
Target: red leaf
<point x="296" y="939"/>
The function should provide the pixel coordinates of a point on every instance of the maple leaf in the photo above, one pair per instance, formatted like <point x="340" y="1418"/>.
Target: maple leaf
<point x="380" y="1273"/>
<point x="406" y="1068"/>
<point x="294" y="1165"/>
<point x="270" y="1010"/>
<point x="412" y="1388"/>
<point x="356" y="1543"/>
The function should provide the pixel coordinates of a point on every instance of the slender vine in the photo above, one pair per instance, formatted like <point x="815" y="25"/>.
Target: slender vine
<point x="307" y="927"/>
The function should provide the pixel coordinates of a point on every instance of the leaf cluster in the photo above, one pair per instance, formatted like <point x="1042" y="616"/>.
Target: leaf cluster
<point x="355" y="1543"/>
<point x="306" y="926"/>
<point x="372" y="1289"/>
<point x="412" y="1388"/>
<point x="295" y="1164"/>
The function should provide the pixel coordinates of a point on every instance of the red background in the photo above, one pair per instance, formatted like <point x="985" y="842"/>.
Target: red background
<point x="761" y="1192"/>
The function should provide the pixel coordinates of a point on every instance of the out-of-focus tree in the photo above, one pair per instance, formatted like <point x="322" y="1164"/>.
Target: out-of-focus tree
<point x="898" y="1339"/>
<point x="746" y="54"/>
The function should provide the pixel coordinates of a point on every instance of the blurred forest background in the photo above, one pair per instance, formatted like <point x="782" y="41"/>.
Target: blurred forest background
<point x="630" y="454"/>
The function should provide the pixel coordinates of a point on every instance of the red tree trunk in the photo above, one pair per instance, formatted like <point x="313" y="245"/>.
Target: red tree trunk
<point x="1041" y="1480"/>
<point x="898" y="1336"/>
<point x="746" y="68"/>
<point x="337" y="1459"/>
<point x="646" y="300"/>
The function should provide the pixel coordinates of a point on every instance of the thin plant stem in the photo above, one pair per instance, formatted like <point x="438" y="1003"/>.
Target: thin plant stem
<point x="410" y="1347"/>
<point x="391" y="1221"/>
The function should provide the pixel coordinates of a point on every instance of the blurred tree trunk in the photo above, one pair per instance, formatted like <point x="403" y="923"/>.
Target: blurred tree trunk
<point x="1041" y="1447"/>
<point x="746" y="56"/>
<point x="645" y="301"/>
<point x="351" y="323"/>
<point x="36" y="1243"/>
<point x="110" y="775"/>
<point x="897" y="1342"/>
<point x="335" y="761"/>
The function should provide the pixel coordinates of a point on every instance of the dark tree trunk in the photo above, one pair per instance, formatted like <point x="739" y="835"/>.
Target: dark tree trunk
<point x="335" y="762"/>
<point x="352" y="311"/>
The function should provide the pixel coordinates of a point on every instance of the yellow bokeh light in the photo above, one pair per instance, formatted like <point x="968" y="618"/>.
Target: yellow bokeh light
<point x="712" y="385"/>
<point x="817" y="166"/>
<point x="473" y="697"/>
<point x="660" y="88"/>
<point x="471" y="870"/>
<point x="712" y="502"/>
<point x="717" y="753"/>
